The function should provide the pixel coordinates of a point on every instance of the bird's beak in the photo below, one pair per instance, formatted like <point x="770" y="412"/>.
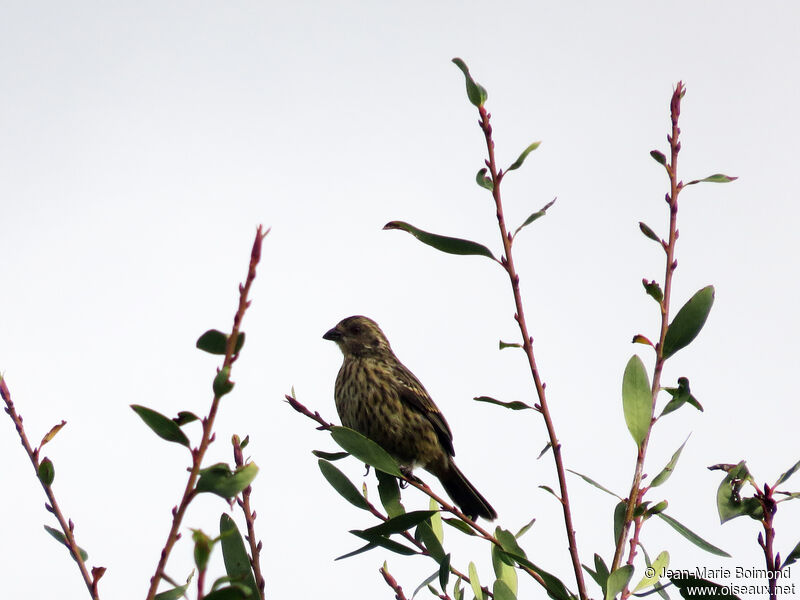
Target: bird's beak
<point x="333" y="335"/>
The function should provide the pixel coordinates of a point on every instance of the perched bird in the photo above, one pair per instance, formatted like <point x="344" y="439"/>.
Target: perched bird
<point x="380" y="398"/>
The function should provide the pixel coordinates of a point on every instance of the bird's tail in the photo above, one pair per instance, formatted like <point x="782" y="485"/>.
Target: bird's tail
<point x="464" y="494"/>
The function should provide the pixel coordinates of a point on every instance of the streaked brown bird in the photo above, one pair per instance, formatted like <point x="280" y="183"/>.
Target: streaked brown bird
<point x="380" y="398"/>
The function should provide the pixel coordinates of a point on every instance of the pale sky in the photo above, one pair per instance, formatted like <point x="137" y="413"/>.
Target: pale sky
<point x="142" y="143"/>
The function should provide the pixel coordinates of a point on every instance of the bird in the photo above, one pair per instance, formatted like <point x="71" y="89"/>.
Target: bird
<point x="377" y="396"/>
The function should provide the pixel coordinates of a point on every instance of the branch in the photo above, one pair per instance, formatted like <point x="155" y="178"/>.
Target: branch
<point x="250" y="518"/>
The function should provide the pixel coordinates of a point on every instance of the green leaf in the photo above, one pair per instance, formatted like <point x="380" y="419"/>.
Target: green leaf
<point x="523" y="530"/>
<point x="234" y="554"/>
<point x="61" y="538"/>
<point x="227" y="593"/>
<point x="218" y="479"/>
<point x="222" y="384"/>
<point x="600" y="574"/>
<point x="690" y="588"/>
<point x="503" y="571"/>
<point x="425" y="582"/>
<point x="787" y="474"/>
<point x="715" y="178"/>
<point x="730" y="504"/>
<point x="515" y="405"/>
<point x="503" y="345"/>
<point x="636" y="399"/>
<point x="202" y="549"/>
<point x="667" y="471"/>
<point x="384" y="542"/>
<point x="173" y="594"/>
<point x="661" y="563"/>
<point x="591" y="481"/>
<point x="426" y="535"/>
<point x="518" y="163"/>
<point x="364" y="449"/>
<point x="389" y="492"/>
<point x="659" y="157"/>
<point x="794" y="555"/>
<point x="680" y="395"/>
<point x="475" y="92"/>
<point x="163" y="427"/>
<point x="330" y="456"/>
<point x="450" y="245"/>
<point x="484" y="181"/>
<point x="554" y="586"/>
<point x="400" y="523"/>
<point x="436" y="520"/>
<point x="365" y="548"/>
<point x="649" y="232"/>
<point x="618" y="580"/>
<point x="692" y="537"/>
<point x="460" y="525"/>
<point x="653" y="290"/>
<point x="501" y="591"/>
<point x="185" y="417"/>
<point x="474" y="582"/>
<point x="214" y="341"/>
<point x="508" y="541"/>
<point x="537" y="215"/>
<point x="47" y="471"/>
<point x="342" y="484"/>
<point x="689" y="321"/>
<point x="444" y="571"/>
<point x="620" y="511"/>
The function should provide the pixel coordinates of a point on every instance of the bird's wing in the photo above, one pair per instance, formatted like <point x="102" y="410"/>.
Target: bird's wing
<point x="413" y="393"/>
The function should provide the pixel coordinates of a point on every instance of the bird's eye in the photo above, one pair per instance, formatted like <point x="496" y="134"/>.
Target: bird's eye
<point x="356" y="329"/>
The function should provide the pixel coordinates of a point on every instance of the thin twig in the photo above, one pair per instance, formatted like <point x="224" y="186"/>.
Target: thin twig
<point x="250" y="518"/>
<point x="507" y="261"/>
<point x="392" y="582"/>
<point x="198" y="453"/>
<point x="634" y="497"/>
<point x="52" y="505"/>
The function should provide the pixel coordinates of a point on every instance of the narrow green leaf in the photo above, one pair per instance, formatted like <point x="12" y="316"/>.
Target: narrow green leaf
<point x="661" y="563"/>
<point x="389" y="492"/>
<point x="185" y="417"/>
<point x="534" y="216"/>
<point x="653" y="290"/>
<point x="619" y="519"/>
<point x="400" y="523"/>
<point x="600" y="574"/>
<point x="163" y="427"/>
<point x="659" y="157"/>
<point x="503" y="571"/>
<point x="474" y="582"/>
<point x="52" y="433"/>
<point x="450" y="245"/>
<point x="436" y="520"/>
<point x="715" y="178"/>
<point x="787" y="474"/>
<point x="694" y="588"/>
<point x="475" y="92"/>
<point x="342" y="484"/>
<point x="547" y="488"/>
<point x="425" y="582"/>
<point x="658" y="508"/>
<point x="794" y="555"/>
<point x="58" y="535"/>
<point x="234" y="554"/>
<point x="214" y="341"/>
<point x="658" y="587"/>
<point x="515" y="405"/>
<point x="227" y="593"/>
<point x="460" y="525"/>
<point x="636" y="399"/>
<point x="330" y="456"/>
<point x="482" y="180"/>
<point x="518" y="163"/>
<point x="173" y="594"/>
<point x="222" y="384"/>
<point x="47" y="471"/>
<point x="591" y="481"/>
<point x="444" y="571"/>
<point x="384" y="542"/>
<point x="689" y="321"/>
<point x="554" y="586"/>
<point x="501" y="591"/>
<point x="649" y="232"/>
<point x="426" y="535"/>
<point x="692" y="537"/>
<point x="667" y="470"/>
<point x="364" y="548"/>
<point x="202" y="549"/>
<point x="524" y="529"/>
<point x="618" y="580"/>
<point x="503" y="345"/>
<point x="364" y="449"/>
<point x="220" y="480"/>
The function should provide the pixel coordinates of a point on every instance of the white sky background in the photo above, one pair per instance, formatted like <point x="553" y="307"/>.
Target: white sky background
<point x="142" y="144"/>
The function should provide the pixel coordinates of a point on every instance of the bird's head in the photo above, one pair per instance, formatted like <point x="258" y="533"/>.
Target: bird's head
<point x="358" y="336"/>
